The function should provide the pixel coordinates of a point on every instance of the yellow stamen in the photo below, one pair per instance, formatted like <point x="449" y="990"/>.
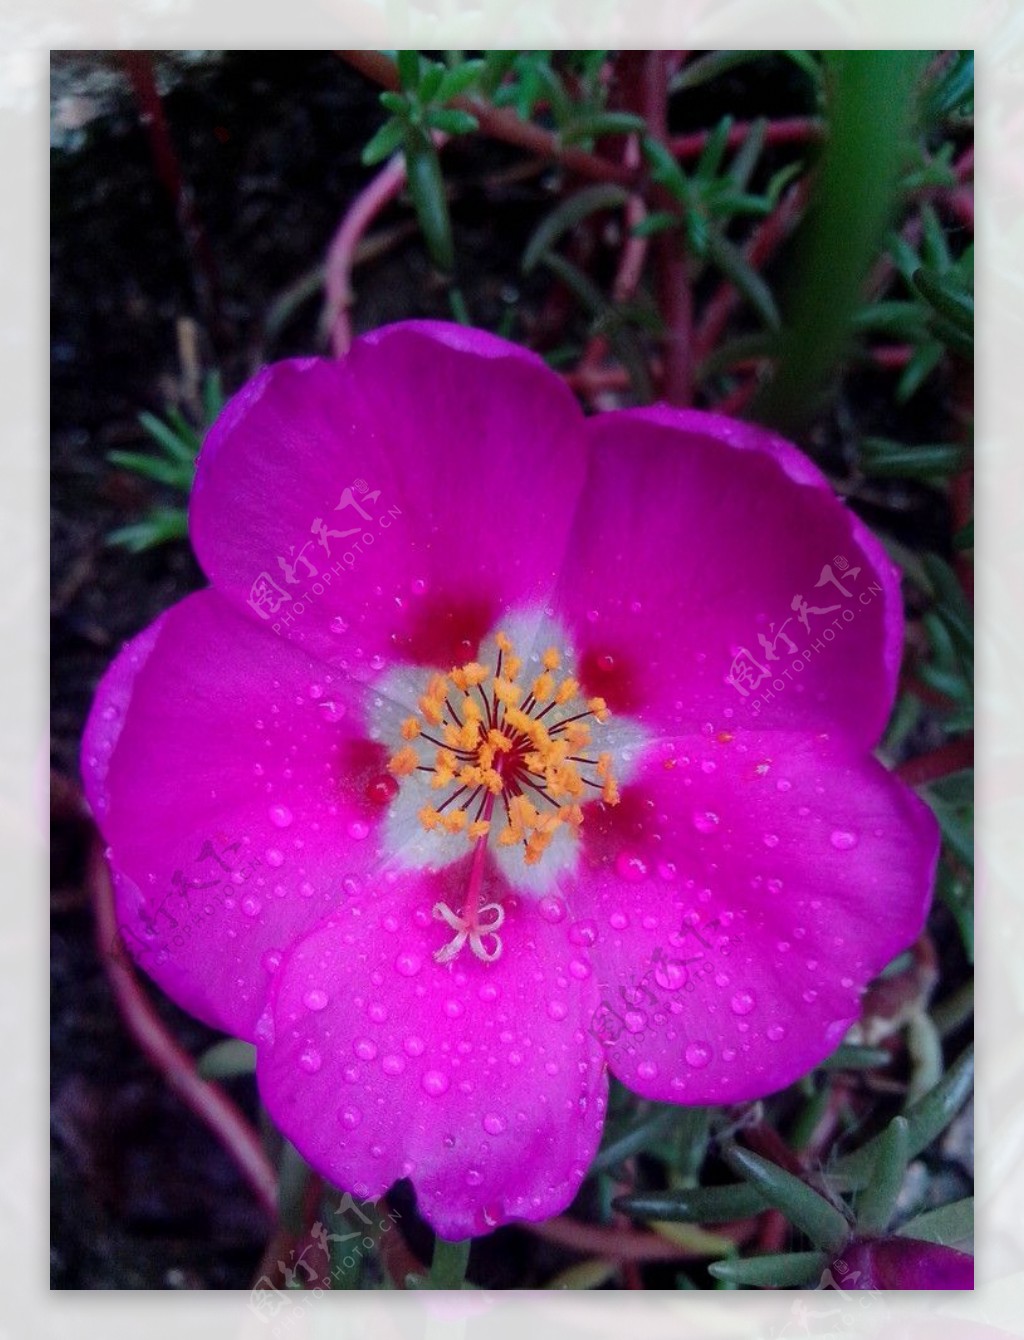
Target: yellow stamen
<point x="404" y="762"/>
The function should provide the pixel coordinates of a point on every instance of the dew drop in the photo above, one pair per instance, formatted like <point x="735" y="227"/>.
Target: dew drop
<point x="310" y="1060"/>
<point x="488" y="992"/>
<point x="281" y="816"/>
<point x="271" y="960"/>
<point x="630" y="868"/>
<point x="350" y="1117"/>
<point x="771" y="839"/>
<point x="618" y="921"/>
<point x="579" y="969"/>
<point x="647" y="1070"/>
<point x="843" y="840"/>
<point x="810" y="997"/>
<point x="551" y="909"/>
<point x="776" y="1033"/>
<point x="380" y="791"/>
<point x="378" y="1012"/>
<point x="392" y="1064"/>
<point x="666" y="871"/>
<point x="606" y="664"/>
<point x="358" y="830"/>
<point x="635" y="1021"/>
<point x="418" y="586"/>
<point x="493" y="1124"/>
<point x="407" y="963"/>
<point x="742" y="1002"/>
<point x="474" y="1177"/>
<point x="592" y="616"/>
<point x="365" y="1049"/>
<point x="583" y="932"/>
<point x="315" y="1000"/>
<point x="413" y="1045"/>
<point x="251" y="905"/>
<point x="698" y="1054"/>
<point x="274" y="857"/>
<point x="435" y="1083"/>
<point x="705" y="821"/>
<point x="557" y="1009"/>
<point x="338" y="625"/>
<point x="454" y="1008"/>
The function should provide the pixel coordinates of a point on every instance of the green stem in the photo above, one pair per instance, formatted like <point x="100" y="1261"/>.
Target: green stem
<point x="448" y="1268"/>
<point x="873" y="97"/>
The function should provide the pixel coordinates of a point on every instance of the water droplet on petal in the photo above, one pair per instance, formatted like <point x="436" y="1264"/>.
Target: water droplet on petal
<point x="551" y="909"/>
<point x="350" y="1117"/>
<point x="417" y="586"/>
<point x="407" y="963"/>
<point x="274" y="857"/>
<point x="474" y="1177"/>
<point x="365" y="1049"/>
<point x="742" y="1002"/>
<point x="251" y="905"/>
<point x="358" y="830"/>
<point x="380" y="791"/>
<point x="493" y="1124"/>
<point x="310" y="1060"/>
<point x="647" y="1070"/>
<point x="698" y="1054"/>
<point x="557" y="1009"/>
<point x="413" y="1045"/>
<point x="670" y="975"/>
<point x="705" y="821"/>
<point x="771" y="839"/>
<point x="842" y="839"/>
<point x="315" y="1000"/>
<point x="454" y="1008"/>
<point x="281" y="816"/>
<point x="583" y="932"/>
<point x="776" y="1033"/>
<point x="630" y="868"/>
<point x="338" y="625"/>
<point x="435" y="1083"/>
<point x="271" y="960"/>
<point x="392" y="1064"/>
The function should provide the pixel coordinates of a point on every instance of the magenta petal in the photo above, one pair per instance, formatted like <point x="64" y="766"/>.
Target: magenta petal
<point x="454" y="459"/>
<point x="902" y="1263"/>
<point x="231" y="779"/>
<point x="694" y="535"/>
<point x="742" y="895"/>
<point x="476" y="1080"/>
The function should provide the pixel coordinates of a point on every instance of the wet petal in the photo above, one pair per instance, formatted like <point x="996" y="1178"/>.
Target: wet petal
<point x="474" y="1079"/>
<point x="741" y="896"/>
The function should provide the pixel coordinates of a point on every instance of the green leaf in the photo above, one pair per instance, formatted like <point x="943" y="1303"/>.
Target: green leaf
<point x="746" y="156"/>
<point x="711" y="155"/>
<point x="877" y="1202"/>
<point x="589" y="1274"/>
<point x="826" y="1227"/>
<point x="926" y="1119"/>
<point x="952" y="605"/>
<point x="426" y="187"/>
<point x="189" y="440"/>
<point x="731" y="261"/>
<point x="701" y="1205"/>
<point x="658" y="222"/>
<point x="430" y="81"/>
<point x="947" y="296"/>
<point x="448" y="1267"/>
<point x="634" y="1139"/>
<point x="385" y="142"/>
<point x="153" y="467"/>
<point x="665" y="170"/>
<point x="396" y="103"/>
<point x="712" y="66"/>
<point x="409" y="69"/>
<point x="568" y="215"/>
<point x="883" y="458"/>
<point x="456" y="81"/>
<point x="848" y="1057"/>
<point x="789" y="1270"/>
<point x="213" y="397"/>
<point x="948" y="1225"/>
<point x="953" y="91"/>
<point x="964" y="538"/>
<point x="452" y="120"/>
<point x="293" y="1176"/>
<point x="934" y="247"/>
<point x="924" y="362"/>
<point x="226" y="1059"/>
<point x="591" y="125"/>
<point x="172" y="441"/>
<point x="161" y="526"/>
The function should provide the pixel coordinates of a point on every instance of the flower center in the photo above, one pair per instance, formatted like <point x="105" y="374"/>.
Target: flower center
<point x="506" y="756"/>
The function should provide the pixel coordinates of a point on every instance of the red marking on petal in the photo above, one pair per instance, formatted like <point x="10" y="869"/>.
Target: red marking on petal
<point x="446" y="630"/>
<point x="609" y="674"/>
<point x="361" y="768"/>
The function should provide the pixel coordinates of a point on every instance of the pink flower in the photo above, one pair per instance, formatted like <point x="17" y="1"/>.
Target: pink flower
<point x="507" y="748"/>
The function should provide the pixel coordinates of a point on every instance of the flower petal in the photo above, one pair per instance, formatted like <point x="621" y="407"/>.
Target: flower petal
<point x="474" y="1079"/>
<point x="742" y="894"/>
<point x="391" y="506"/>
<point x="694" y="537"/>
<point x="231" y="777"/>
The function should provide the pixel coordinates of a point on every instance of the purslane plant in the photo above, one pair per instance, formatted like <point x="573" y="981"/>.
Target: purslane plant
<point x="507" y="748"/>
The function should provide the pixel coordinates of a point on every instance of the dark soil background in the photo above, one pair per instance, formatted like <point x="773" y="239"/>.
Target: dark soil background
<point x="142" y="1195"/>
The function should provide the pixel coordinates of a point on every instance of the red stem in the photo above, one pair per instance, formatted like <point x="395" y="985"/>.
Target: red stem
<point x="941" y="762"/>
<point x="207" y="1101"/>
<point x="786" y="130"/>
<point x="675" y="298"/>
<point x="139" y="68"/>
